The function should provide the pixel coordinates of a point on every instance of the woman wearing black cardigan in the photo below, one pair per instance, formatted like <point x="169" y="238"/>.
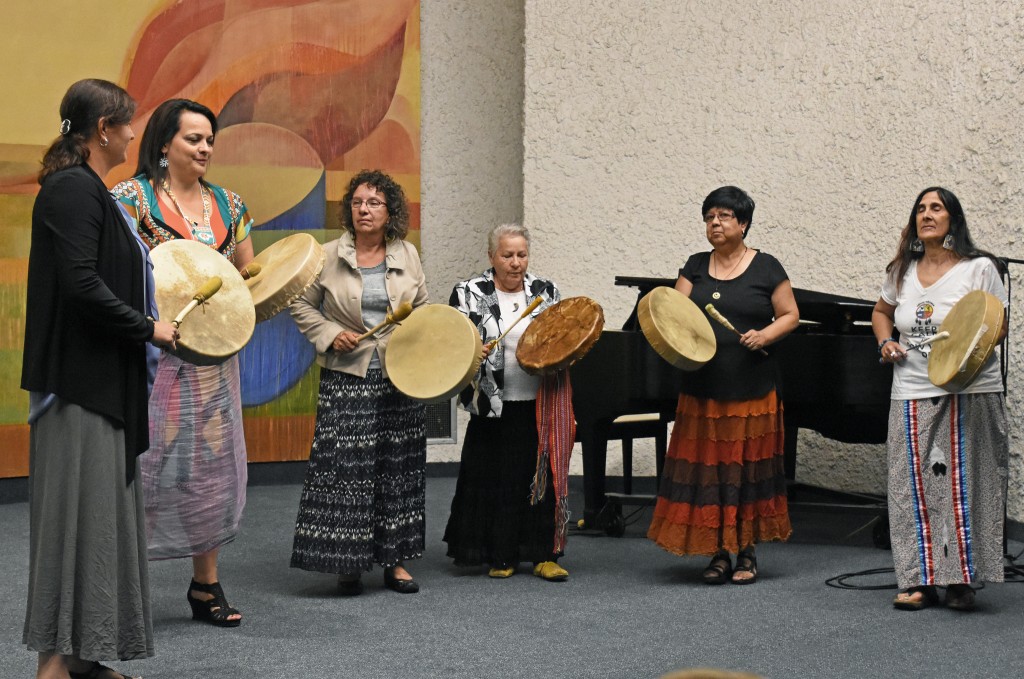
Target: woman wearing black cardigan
<point x="87" y="323"/>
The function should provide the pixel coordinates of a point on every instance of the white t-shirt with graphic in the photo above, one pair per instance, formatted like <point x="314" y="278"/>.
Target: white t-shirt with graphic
<point x="919" y="313"/>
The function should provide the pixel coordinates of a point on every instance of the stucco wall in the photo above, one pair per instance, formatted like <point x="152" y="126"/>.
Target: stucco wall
<point x="472" y="161"/>
<point x="832" y="115"/>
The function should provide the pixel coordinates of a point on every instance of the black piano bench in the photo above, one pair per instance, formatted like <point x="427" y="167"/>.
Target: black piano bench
<point x="625" y="428"/>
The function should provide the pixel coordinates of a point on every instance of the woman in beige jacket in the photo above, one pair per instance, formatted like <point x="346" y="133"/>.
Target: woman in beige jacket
<point x="363" y="498"/>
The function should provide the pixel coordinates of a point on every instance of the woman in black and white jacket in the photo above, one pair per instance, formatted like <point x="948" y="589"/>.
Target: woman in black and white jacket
<point x="493" y="521"/>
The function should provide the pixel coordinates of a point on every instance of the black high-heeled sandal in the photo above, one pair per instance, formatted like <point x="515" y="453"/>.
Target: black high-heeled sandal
<point x="215" y="611"/>
<point x="94" y="672"/>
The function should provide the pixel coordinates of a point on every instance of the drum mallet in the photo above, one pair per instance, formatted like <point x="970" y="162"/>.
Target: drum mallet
<point x="526" y="312"/>
<point x="251" y="270"/>
<point x="209" y="289"/>
<point x="715" y="314"/>
<point x="396" y="316"/>
<point x="925" y="342"/>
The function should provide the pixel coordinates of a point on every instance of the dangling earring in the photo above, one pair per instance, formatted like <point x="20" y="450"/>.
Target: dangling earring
<point x="948" y="241"/>
<point x="916" y="245"/>
<point x="164" y="162"/>
<point x="104" y="141"/>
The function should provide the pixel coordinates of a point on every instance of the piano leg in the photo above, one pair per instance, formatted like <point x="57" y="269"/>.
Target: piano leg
<point x="594" y="441"/>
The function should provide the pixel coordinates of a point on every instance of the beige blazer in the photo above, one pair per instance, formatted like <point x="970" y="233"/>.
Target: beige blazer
<point x="334" y="302"/>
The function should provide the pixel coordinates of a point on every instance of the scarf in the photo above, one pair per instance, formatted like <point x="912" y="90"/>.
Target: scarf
<point x="556" y="431"/>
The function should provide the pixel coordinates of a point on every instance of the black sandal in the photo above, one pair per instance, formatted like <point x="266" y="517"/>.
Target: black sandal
<point x="746" y="562"/>
<point x="719" y="570"/>
<point x="94" y="672"/>
<point x="215" y="611"/>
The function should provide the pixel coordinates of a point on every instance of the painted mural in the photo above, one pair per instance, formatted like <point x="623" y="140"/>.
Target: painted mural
<point x="307" y="92"/>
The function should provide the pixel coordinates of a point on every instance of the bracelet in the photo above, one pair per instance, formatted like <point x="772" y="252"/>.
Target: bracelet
<point x="883" y="343"/>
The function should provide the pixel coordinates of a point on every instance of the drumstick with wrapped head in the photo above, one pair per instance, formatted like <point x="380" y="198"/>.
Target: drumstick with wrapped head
<point x="920" y="345"/>
<point x="526" y="312"/>
<point x="250" y="270"/>
<point x="208" y="290"/>
<point x="717" y="315"/>
<point x="396" y="316"/>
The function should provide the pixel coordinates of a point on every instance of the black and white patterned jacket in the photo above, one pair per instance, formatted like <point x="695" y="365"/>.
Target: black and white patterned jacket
<point x="478" y="300"/>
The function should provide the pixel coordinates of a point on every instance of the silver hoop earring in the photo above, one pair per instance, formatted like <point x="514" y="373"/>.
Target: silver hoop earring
<point x="104" y="141"/>
<point x="948" y="242"/>
<point x="916" y="245"/>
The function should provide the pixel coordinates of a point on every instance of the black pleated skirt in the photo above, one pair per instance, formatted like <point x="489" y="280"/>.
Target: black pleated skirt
<point x="492" y="521"/>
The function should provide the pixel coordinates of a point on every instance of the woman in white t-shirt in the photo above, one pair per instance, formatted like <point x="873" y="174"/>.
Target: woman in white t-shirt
<point x="948" y="451"/>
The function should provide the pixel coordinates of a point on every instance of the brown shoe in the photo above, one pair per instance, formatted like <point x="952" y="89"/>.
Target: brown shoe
<point x="960" y="597"/>
<point x="916" y="598"/>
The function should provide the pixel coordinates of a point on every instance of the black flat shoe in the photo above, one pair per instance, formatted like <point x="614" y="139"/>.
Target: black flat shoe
<point x="96" y="672"/>
<point x="215" y="611"/>
<point x="350" y="587"/>
<point x="409" y="586"/>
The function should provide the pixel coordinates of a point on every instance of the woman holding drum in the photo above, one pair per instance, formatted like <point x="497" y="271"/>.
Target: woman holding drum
<point x="363" y="498"/>
<point x="86" y="329"/>
<point x="723" y="488"/>
<point x="493" y="520"/>
<point x="194" y="474"/>
<point x="948" y="452"/>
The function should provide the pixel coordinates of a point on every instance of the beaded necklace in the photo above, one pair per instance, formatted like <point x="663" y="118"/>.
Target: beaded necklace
<point x="203" y="233"/>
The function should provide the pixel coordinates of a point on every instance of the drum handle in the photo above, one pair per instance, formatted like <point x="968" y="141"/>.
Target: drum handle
<point x="717" y="315"/>
<point x="209" y="289"/>
<point x="974" y="344"/>
<point x="526" y="312"/>
<point x="396" y="316"/>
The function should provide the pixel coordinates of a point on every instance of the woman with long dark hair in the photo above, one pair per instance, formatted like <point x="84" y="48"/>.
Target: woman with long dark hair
<point x="194" y="475"/>
<point x="948" y="451"/>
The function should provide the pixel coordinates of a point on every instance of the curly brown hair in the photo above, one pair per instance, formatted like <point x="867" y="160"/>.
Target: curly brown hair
<point x="394" y="198"/>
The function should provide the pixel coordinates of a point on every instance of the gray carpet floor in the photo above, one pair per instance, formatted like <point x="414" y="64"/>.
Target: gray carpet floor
<point x="628" y="610"/>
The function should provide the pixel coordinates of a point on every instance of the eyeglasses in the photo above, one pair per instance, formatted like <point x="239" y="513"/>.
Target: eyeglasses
<point x="723" y="216"/>
<point x="372" y="203"/>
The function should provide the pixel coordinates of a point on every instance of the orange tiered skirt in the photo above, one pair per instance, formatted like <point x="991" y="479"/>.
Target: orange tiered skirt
<point x="724" y="484"/>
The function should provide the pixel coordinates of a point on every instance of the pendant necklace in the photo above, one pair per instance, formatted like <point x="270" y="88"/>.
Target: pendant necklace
<point x="202" y="234"/>
<point x="716" y="294"/>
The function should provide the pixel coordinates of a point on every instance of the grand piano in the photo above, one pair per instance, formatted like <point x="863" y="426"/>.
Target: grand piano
<point x="832" y="383"/>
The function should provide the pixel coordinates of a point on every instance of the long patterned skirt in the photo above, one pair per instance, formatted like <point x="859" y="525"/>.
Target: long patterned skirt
<point x="492" y="521"/>
<point x="194" y="473"/>
<point x="363" y="499"/>
<point x="948" y="459"/>
<point x="724" y="484"/>
<point x="88" y="587"/>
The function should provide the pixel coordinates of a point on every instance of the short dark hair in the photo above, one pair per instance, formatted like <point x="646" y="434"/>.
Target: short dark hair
<point x="160" y="130"/>
<point x="83" y="105"/>
<point x="731" y="198"/>
<point x="394" y="199"/>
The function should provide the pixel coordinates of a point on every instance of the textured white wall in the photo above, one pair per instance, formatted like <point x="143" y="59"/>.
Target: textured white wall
<point x="832" y="115"/>
<point x="472" y="118"/>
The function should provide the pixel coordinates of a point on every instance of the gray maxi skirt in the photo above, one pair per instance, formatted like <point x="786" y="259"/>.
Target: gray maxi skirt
<point x="88" y="592"/>
<point x="948" y="460"/>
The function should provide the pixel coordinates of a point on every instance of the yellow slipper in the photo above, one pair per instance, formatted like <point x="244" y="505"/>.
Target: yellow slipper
<point x="551" y="571"/>
<point x="501" y="572"/>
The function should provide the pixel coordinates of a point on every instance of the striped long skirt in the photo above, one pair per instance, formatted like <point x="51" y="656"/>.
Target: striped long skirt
<point x="724" y="485"/>
<point x="948" y="462"/>
<point x="364" y="495"/>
